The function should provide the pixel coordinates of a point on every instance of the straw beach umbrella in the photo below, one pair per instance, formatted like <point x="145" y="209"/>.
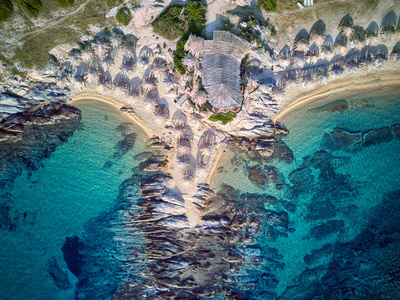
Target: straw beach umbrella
<point x="74" y="57"/>
<point x="149" y="83"/>
<point x="200" y="98"/>
<point x="159" y="68"/>
<point x="189" y="61"/>
<point x="87" y="53"/>
<point x="170" y="82"/>
<point x="183" y="149"/>
<point x="101" y="49"/>
<point x="347" y="31"/>
<point x="302" y="47"/>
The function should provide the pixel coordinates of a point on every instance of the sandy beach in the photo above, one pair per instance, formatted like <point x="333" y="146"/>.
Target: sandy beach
<point x="343" y="87"/>
<point x="116" y="105"/>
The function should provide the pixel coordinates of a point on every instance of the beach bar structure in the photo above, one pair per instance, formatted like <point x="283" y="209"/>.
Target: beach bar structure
<point x="220" y="67"/>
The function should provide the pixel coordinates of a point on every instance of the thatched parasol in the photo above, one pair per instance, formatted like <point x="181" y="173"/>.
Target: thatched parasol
<point x="317" y="40"/>
<point x="87" y="53"/>
<point x="347" y="31"/>
<point x="200" y="98"/>
<point x="189" y="61"/>
<point x="101" y="49"/>
<point x="149" y="83"/>
<point x="183" y="149"/>
<point x="170" y="82"/>
<point x="91" y="77"/>
<point x="74" y="57"/>
<point x="159" y="68"/>
<point x="302" y="47"/>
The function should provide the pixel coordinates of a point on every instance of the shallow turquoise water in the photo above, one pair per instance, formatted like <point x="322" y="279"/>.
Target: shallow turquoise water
<point x="355" y="184"/>
<point x="81" y="181"/>
<point x="73" y="187"/>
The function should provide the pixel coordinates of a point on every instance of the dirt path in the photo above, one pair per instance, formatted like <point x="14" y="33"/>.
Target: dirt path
<point x="54" y="23"/>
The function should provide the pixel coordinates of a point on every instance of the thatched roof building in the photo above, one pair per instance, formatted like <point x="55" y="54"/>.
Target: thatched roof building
<point x="220" y="62"/>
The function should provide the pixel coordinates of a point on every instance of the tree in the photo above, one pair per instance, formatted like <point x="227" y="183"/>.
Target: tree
<point x="124" y="16"/>
<point x="65" y="3"/>
<point x="31" y="7"/>
<point x="6" y="9"/>
<point x="268" y="5"/>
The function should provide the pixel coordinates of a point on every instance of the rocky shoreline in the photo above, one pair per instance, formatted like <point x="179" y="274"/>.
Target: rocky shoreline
<point x="26" y="138"/>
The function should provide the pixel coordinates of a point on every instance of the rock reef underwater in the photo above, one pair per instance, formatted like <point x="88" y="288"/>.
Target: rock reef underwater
<point x="298" y="238"/>
<point x="239" y="250"/>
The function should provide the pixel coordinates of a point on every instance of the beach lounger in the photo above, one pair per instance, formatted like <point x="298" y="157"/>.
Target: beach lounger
<point x="299" y="5"/>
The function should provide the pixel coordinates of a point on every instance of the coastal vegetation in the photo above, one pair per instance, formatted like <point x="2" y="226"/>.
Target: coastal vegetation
<point x="65" y="3"/>
<point x="6" y="9"/>
<point x="112" y="3"/>
<point x="31" y="7"/>
<point x="173" y="23"/>
<point x="170" y="24"/>
<point x="224" y="118"/>
<point x="123" y="16"/>
<point x="268" y="5"/>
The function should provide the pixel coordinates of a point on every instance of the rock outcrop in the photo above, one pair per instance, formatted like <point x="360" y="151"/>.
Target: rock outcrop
<point x="19" y="98"/>
<point x="28" y="137"/>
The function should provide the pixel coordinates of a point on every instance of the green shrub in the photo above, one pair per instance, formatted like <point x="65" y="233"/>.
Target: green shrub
<point x="196" y="13"/>
<point x="124" y="16"/>
<point x="31" y="7"/>
<point x="65" y="3"/>
<point x="225" y="119"/>
<point x="268" y="5"/>
<point x="112" y="3"/>
<point x="170" y="24"/>
<point x="6" y="9"/>
<point x="179" y="53"/>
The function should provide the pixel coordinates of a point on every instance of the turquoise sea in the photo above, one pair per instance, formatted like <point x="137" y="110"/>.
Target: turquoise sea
<point x="75" y="185"/>
<point x="328" y="221"/>
<point x="340" y="199"/>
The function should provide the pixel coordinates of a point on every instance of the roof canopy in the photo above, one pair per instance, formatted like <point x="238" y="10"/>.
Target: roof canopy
<point x="220" y="60"/>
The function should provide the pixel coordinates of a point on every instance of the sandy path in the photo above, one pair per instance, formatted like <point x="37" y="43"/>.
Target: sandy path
<point x="52" y="24"/>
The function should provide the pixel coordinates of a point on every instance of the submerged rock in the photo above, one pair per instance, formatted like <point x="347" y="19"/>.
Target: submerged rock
<point x="71" y="251"/>
<point x="59" y="276"/>
<point x="334" y="106"/>
<point x="340" y="139"/>
<point x="125" y="145"/>
<point x="326" y="229"/>
<point x="152" y="165"/>
<point x="377" y="136"/>
<point x="257" y="176"/>
<point x="396" y="130"/>
<point x="27" y="138"/>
